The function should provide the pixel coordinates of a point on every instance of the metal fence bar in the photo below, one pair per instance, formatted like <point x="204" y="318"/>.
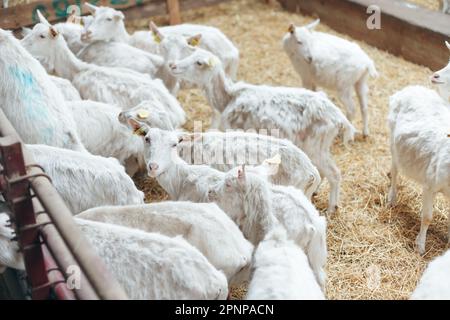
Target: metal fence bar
<point x="19" y="198"/>
<point x="103" y="283"/>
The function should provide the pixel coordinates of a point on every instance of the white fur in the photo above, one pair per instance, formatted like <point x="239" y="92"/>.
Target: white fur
<point x="103" y="135"/>
<point x="152" y="266"/>
<point x="10" y="257"/>
<point x="69" y="92"/>
<point x="72" y="34"/>
<point x="31" y="101"/>
<point x="155" y="115"/>
<point x="435" y="281"/>
<point x="117" y="54"/>
<point x="85" y="181"/>
<point x="174" y="44"/>
<point x="256" y="206"/>
<point x="328" y="61"/>
<point x="236" y="148"/>
<point x="419" y="121"/>
<point x="122" y="87"/>
<point x="148" y="266"/>
<point x="282" y="271"/>
<point x="179" y="179"/>
<point x="204" y="226"/>
<point x="442" y="80"/>
<point x="309" y="119"/>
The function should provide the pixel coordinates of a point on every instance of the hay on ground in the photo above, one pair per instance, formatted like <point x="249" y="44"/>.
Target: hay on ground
<point x="371" y="247"/>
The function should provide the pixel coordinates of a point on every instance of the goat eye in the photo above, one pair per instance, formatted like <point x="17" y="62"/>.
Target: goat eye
<point x="199" y="63"/>
<point x="174" y="145"/>
<point x="42" y="36"/>
<point x="299" y="42"/>
<point x="147" y="139"/>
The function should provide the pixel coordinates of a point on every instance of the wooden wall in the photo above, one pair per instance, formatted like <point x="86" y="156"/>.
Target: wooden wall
<point x="55" y="10"/>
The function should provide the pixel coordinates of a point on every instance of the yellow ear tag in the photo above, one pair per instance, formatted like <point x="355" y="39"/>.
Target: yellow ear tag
<point x="156" y="38"/>
<point x="142" y="114"/>
<point x="194" y="42"/>
<point x="139" y="132"/>
<point x="212" y="62"/>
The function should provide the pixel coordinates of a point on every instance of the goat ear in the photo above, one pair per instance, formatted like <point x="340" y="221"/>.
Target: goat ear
<point x="241" y="173"/>
<point x="291" y="28"/>
<point x="194" y="40"/>
<point x="313" y="24"/>
<point x="447" y="44"/>
<point x="25" y="31"/>
<point x="272" y="165"/>
<point x="92" y="9"/>
<point x="119" y="16"/>
<point x="42" y="18"/>
<point x="212" y="62"/>
<point x="139" y="128"/>
<point x="53" y="32"/>
<point x="157" y="35"/>
<point x="87" y="20"/>
<point x="72" y="17"/>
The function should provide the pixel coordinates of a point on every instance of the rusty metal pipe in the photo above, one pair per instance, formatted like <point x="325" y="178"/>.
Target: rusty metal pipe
<point x="101" y="279"/>
<point x="56" y="277"/>
<point x="63" y="257"/>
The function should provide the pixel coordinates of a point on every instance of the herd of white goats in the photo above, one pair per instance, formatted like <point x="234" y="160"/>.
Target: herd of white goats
<point x="109" y="110"/>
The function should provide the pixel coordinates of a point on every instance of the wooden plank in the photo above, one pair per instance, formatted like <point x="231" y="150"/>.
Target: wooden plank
<point x="415" y="33"/>
<point x="54" y="10"/>
<point x="173" y="8"/>
<point x="158" y="7"/>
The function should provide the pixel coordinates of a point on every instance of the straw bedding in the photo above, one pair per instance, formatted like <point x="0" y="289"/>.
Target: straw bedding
<point x="371" y="247"/>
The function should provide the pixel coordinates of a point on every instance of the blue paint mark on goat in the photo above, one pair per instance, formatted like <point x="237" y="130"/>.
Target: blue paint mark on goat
<point x="35" y="109"/>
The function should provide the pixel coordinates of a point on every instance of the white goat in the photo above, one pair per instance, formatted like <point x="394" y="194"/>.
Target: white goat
<point x="153" y="266"/>
<point x="10" y="257"/>
<point x="179" y="179"/>
<point x="282" y="271"/>
<point x="307" y="118"/>
<point x="173" y="46"/>
<point x="108" y="25"/>
<point x="441" y="78"/>
<point x="226" y="150"/>
<point x="69" y="92"/>
<point x="203" y="225"/>
<point x="103" y="135"/>
<point x="122" y="87"/>
<point x="31" y="101"/>
<point x="149" y="266"/>
<point x="328" y="61"/>
<point x="117" y="54"/>
<point x="419" y="121"/>
<point x="435" y="281"/>
<point x="72" y="33"/>
<point x="256" y="206"/>
<point x="151" y="113"/>
<point x="85" y="181"/>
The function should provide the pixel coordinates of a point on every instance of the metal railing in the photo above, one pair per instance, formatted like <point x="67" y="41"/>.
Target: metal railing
<point x="48" y="236"/>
